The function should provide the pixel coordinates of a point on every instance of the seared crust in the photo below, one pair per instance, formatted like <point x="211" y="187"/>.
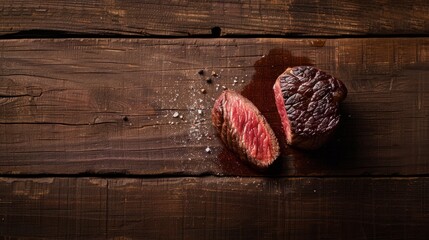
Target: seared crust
<point x="311" y="98"/>
<point x="229" y="135"/>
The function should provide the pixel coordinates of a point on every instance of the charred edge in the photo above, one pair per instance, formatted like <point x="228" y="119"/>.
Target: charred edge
<point x="223" y="126"/>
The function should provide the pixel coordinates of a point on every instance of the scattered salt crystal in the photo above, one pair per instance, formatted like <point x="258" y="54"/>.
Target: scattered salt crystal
<point x="208" y="150"/>
<point x="181" y="116"/>
<point x="203" y="91"/>
<point x="175" y="114"/>
<point x="242" y="81"/>
<point x="200" y="111"/>
<point x="235" y="81"/>
<point x="224" y="88"/>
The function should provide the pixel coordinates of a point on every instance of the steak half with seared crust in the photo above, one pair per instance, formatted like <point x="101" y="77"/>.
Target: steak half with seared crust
<point x="244" y="130"/>
<point x="307" y="100"/>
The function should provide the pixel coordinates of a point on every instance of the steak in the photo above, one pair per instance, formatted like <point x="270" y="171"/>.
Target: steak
<point x="307" y="100"/>
<point x="244" y="130"/>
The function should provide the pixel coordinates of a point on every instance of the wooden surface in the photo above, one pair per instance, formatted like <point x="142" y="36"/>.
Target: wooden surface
<point x="184" y="18"/>
<point x="89" y="147"/>
<point x="214" y="208"/>
<point x="106" y="105"/>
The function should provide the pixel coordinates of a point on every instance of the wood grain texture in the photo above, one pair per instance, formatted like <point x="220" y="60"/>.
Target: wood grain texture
<point x="214" y="208"/>
<point x="72" y="106"/>
<point x="184" y="18"/>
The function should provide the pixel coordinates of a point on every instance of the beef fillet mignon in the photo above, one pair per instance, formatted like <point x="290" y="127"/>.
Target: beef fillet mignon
<point x="244" y="130"/>
<point x="307" y="100"/>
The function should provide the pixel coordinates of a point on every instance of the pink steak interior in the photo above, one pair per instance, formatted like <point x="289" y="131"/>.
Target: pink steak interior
<point x="251" y="128"/>
<point x="282" y="111"/>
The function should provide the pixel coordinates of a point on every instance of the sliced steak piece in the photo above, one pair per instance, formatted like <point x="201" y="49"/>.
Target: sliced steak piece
<point x="307" y="100"/>
<point x="244" y="130"/>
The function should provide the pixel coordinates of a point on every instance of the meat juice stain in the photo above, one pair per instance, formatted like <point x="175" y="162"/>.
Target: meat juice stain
<point x="267" y="69"/>
<point x="260" y="92"/>
<point x="231" y="164"/>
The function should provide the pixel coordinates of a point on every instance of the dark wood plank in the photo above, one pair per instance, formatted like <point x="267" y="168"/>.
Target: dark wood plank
<point x="184" y="18"/>
<point x="107" y="105"/>
<point x="214" y="208"/>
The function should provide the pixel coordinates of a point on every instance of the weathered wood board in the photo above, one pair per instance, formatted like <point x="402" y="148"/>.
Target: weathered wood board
<point x="70" y="106"/>
<point x="214" y="208"/>
<point x="184" y="18"/>
<point x="89" y="147"/>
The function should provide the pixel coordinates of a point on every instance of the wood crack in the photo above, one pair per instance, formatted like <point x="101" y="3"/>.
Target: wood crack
<point x="58" y="123"/>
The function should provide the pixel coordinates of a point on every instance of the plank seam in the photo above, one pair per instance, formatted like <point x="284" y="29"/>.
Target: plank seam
<point x="204" y="175"/>
<point x="56" y="34"/>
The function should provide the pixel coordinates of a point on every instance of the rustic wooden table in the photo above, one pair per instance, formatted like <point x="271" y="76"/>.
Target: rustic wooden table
<point x="89" y="147"/>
